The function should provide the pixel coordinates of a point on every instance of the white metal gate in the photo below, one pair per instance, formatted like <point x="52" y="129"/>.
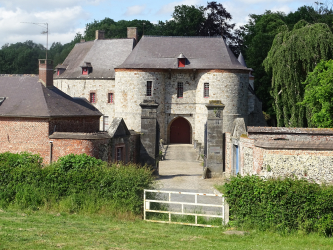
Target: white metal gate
<point x="223" y="212"/>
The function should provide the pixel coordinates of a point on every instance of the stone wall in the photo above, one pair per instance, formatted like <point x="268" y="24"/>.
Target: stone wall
<point x="281" y="152"/>
<point x="83" y="88"/>
<point x="229" y="87"/>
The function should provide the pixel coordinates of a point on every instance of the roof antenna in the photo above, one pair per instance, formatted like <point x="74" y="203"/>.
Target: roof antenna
<point x="43" y="32"/>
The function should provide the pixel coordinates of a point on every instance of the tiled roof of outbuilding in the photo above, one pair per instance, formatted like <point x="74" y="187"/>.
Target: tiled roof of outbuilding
<point x="104" y="56"/>
<point x="201" y="53"/>
<point x="26" y="97"/>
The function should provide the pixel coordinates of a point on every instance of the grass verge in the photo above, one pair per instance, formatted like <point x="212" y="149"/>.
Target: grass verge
<point x="40" y="230"/>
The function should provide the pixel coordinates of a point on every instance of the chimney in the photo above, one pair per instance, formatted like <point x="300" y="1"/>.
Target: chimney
<point x="99" y="35"/>
<point x="46" y="72"/>
<point x="132" y="32"/>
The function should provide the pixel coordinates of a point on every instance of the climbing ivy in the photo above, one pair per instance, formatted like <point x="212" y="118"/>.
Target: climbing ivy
<point x="293" y="54"/>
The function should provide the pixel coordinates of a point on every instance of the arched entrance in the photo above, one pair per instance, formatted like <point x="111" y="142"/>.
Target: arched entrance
<point x="180" y="131"/>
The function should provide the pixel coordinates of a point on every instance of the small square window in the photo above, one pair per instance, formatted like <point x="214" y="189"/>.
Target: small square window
<point x="206" y="89"/>
<point x="180" y="90"/>
<point x="149" y="86"/>
<point x="92" y="97"/>
<point x="110" y="98"/>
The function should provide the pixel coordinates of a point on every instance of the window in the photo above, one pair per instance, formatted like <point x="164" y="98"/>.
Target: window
<point x="106" y="123"/>
<point x="120" y="153"/>
<point x="110" y="97"/>
<point x="58" y="72"/>
<point x="84" y="71"/>
<point x="206" y="89"/>
<point x="180" y="90"/>
<point x="92" y="97"/>
<point x="149" y="85"/>
<point x="181" y="62"/>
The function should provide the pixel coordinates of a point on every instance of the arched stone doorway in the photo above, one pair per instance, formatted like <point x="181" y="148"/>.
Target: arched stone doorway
<point x="180" y="131"/>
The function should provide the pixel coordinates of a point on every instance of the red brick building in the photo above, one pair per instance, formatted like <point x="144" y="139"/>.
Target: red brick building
<point x="37" y="117"/>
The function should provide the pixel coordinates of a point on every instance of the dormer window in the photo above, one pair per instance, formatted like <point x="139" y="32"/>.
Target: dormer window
<point x="86" y="68"/>
<point x="181" y="61"/>
<point x="60" y="69"/>
<point x="85" y="71"/>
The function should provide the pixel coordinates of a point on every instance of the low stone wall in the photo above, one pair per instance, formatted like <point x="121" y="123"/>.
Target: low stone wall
<point x="277" y="152"/>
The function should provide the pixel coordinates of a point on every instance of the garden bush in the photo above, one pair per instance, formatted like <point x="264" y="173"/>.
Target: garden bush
<point x="287" y="204"/>
<point x="73" y="183"/>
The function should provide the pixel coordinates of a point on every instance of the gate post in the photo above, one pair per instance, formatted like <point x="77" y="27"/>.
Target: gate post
<point x="215" y="138"/>
<point x="149" y="137"/>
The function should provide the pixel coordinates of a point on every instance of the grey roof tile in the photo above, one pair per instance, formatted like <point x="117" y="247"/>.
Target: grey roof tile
<point x="201" y="53"/>
<point x="241" y="59"/>
<point x="26" y="97"/>
<point x="104" y="56"/>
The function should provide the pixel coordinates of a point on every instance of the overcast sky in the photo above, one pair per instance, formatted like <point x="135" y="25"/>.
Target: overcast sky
<point x="67" y="17"/>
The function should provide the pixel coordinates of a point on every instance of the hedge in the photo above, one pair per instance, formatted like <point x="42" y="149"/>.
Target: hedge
<point x="281" y="204"/>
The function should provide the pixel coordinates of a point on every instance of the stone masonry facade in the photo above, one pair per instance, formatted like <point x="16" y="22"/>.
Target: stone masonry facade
<point x="83" y="87"/>
<point x="283" y="152"/>
<point x="129" y="90"/>
<point x="231" y="87"/>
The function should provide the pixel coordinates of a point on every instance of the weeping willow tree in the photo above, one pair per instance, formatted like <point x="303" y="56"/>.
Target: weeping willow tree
<point x="293" y="54"/>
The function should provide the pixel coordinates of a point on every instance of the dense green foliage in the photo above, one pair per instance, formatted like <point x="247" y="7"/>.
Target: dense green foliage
<point x="22" y="58"/>
<point x="293" y="54"/>
<point x="318" y="96"/>
<point x="258" y="36"/>
<point x="118" y="29"/>
<point x="73" y="179"/>
<point x="280" y="204"/>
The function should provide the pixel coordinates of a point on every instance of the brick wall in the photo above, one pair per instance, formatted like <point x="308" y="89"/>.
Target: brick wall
<point x="95" y="148"/>
<point x="24" y="134"/>
<point x="32" y="135"/>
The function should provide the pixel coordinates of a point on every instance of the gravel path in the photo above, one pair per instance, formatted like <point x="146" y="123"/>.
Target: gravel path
<point x="181" y="171"/>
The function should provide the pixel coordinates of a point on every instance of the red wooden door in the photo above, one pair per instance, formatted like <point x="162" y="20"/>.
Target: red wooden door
<point x="180" y="131"/>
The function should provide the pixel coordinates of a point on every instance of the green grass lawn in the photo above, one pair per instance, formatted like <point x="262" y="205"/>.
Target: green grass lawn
<point x="39" y="230"/>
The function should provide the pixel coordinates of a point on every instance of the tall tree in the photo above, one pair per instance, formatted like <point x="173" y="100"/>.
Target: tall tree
<point x="318" y="96"/>
<point x="187" y="20"/>
<point x="217" y="23"/>
<point x="21" y="58"/>
<point x="293" y="54"/>
<point x="118" y="29"/>
<point x="258" y="36"/>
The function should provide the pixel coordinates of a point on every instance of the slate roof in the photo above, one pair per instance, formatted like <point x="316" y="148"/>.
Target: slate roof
<point x="201" y="53"/>
<point x="241" y="59"/>
<point x="118" y="128"/>
<point x="26" y="97"/>
<point x="104" y="56"/>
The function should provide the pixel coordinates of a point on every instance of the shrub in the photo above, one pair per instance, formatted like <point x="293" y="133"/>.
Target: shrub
<point x="73" y="183"/>
<point x="280" y="204"/>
